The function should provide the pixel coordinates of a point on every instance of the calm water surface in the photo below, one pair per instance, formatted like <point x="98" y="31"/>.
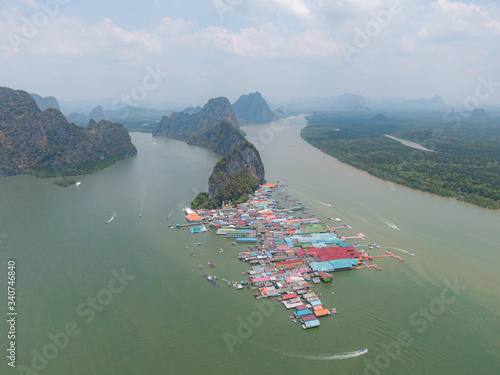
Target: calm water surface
<point x="164" y="318"/>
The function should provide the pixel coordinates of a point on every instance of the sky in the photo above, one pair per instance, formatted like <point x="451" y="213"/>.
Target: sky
<point x="183" y="52"/>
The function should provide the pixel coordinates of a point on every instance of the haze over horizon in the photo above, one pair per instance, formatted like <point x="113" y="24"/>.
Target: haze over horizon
<point x="184" y="52"/>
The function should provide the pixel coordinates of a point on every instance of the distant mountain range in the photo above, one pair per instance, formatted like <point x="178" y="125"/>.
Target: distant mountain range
<point x="47" y="102"/>
<point x="434" y="103"/>
<point x="97" y="114"/>
<point x="191" y="110"/>
<point x="350" y="102"/>
<point x="360" y="103"/>
<point x="129" y="116"/>
<point x="250" y="108"/>
<point x="478" y="113"/>
<point x="32" y="139"/>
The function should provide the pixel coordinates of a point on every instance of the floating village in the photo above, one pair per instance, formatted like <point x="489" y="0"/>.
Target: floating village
<point x="287" y="248"/>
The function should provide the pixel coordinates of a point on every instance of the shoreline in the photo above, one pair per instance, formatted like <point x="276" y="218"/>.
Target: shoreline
<point x="454" y="198"/>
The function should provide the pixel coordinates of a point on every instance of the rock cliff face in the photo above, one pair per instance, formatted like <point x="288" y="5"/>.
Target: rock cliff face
<point x="252" y="108"/>
<point x="32" y="139"/>
<point x="182" y="126"/>
<point x="111" y="139"/>
<point x="237" y="174"/>
<point x="221" y="138"/>
<point x="47" y="102"/>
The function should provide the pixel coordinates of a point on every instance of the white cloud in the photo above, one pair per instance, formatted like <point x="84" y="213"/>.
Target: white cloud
<point x="293" y="38"/>
<point x="269" y="42"/>
<point x="466" y="15"/>
<point x="117" y="35"/>
<point x="295" y="7"/>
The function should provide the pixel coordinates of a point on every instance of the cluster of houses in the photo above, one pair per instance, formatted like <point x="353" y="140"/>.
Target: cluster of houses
<point x="288" y="253"/>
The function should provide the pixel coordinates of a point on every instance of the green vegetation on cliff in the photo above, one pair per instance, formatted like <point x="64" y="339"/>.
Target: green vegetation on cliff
<point x="201" y="200"/>
<point x="235" y="188"/>
<point x="466" y="164"/>
<point x="72" y="169"/>
<point x="237" y="175"/>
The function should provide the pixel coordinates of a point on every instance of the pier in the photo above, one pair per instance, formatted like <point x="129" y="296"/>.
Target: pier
<point x="360" y="235"/>
<point x="387" y="256"/>
<point x="369" y="266"/>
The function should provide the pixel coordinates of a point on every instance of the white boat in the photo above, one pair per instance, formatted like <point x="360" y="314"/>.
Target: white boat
<point x="337" y="219"/>
<point x="78" y="183"/>
<point x="362" y="351"/>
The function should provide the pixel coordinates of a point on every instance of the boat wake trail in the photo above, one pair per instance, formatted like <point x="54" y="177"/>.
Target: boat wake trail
<point x="325" y="356"/>
<point x="389" y="223"/>
<point x="170" y="214"/>
<point x="404" y="251"/>
<point x="111" y="219"/>
<point x="325" y="204"/>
